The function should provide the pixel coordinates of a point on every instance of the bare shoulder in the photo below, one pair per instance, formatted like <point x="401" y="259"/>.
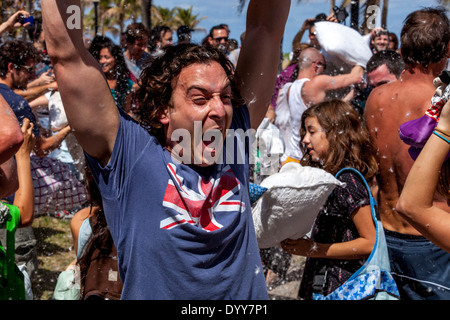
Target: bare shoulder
<point x="78" y="219"/>
<point x="398" y="101"/>
<point x="380" y="103"/>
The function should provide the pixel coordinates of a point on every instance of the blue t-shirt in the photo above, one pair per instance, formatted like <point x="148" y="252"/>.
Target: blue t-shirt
<point x="181" y="231"/>
<point x="20" y="107"/>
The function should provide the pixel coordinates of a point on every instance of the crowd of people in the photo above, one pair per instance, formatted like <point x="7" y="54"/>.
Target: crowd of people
<point x="158" y="207"/>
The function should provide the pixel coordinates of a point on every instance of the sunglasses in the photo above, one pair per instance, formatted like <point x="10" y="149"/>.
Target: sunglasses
<point x="220" y="39"/>
<point x="30" y="69"/>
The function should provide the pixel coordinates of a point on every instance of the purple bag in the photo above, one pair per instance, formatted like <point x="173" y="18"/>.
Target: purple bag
<point x="416" y="132"/>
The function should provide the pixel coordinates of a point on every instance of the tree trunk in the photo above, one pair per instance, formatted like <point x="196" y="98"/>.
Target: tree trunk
<point x="354" y="15"/>
<point x="384" y="14"/>
<point x="146" y="13"/>
<point x="332" y="5"/>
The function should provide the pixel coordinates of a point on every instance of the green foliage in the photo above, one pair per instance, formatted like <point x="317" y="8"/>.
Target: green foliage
<point x="115" y="15"/>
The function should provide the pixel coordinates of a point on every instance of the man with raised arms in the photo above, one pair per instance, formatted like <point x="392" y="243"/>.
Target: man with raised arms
<point x="182" y="224"/>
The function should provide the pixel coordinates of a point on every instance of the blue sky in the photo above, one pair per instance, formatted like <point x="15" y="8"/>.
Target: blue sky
<point x="226" y="11"/>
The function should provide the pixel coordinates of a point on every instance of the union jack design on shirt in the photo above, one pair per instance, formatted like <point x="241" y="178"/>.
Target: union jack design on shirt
<point x="199" y="203"/>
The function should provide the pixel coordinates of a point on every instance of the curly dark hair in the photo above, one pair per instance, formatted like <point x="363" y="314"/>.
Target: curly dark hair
<point x="121" y="72"/>
<point x="136" y="31"/>
<point x="156" y="81"/>
<point x="425" y="43"/>
<point x="350" y="143"/>
<point x="17" y="52"/>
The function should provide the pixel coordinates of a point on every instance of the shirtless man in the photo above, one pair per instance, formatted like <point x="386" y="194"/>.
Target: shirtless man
<point x="413" y="258"/>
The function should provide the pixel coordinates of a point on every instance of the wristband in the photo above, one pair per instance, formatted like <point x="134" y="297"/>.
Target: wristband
<point x="437" y="134"/>
<point x="442" y="131"/>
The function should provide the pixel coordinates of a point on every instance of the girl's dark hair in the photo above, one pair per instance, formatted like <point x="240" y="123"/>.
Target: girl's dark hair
<point x="350" y="143"/>
<point x="121" y="72"/>
<point x="100" y="238"/>
<point x="158" y="78"/>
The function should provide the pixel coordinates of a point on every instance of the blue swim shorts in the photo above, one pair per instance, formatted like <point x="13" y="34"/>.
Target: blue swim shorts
<point x="420" y="268"/>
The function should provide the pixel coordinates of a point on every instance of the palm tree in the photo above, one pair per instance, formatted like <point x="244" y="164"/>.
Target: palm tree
<point x="162" y="16"/>
<point x="184" y="17"/>
<point x="89" y="18"/>
<point x="241" y="5"/>
<point x="445" y="3"/>
<point x="113" y="15"/>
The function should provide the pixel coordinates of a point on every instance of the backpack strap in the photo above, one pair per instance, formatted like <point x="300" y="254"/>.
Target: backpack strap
<point x="320" y="276"/>
<point x="373" y="209"/>
<point x="373" y="202"/>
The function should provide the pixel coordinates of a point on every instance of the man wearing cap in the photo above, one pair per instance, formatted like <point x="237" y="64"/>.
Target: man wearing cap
<point x="184" y="34"/>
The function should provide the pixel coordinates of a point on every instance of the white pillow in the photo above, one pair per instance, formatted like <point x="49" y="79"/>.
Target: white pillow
<point x="57" y="114"/>
<point x="289" y="207"/>
<point x="344" y="42"/>
<point x="270" y="148"/>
